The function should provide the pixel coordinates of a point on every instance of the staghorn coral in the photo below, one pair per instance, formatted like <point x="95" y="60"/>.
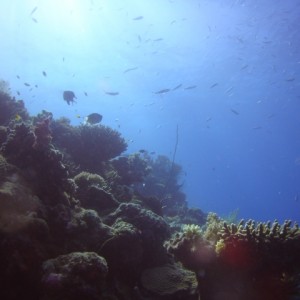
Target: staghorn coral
<point x="213" y="226"/>
<point x="262" y="257"/>
<point x="254" y="242"/>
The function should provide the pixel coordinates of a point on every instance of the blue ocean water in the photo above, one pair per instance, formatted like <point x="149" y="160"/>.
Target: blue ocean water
<point x="221" y="78"/>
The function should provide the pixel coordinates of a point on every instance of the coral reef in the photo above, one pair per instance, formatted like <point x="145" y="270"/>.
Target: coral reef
<point x="79" y="222"/>
<point x="256" y="257"/>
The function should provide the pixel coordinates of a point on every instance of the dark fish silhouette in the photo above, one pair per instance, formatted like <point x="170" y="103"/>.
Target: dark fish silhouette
<point x="177" y="87"/>
<point x="44" y="73"/>
<point x="130" y="69"/>
<point x="163" y="91"/>
<point x="112" y="93"/>
<point x="33" y="11"/>
<point x="138" y="18"/>
<point x="235" y="112"/>
<point x="93" y="118"/>
<point x="27" y="84"/>
<point x="190" y="87"/>
<point x="213" y="85"/>
<point x="69" y="97"/>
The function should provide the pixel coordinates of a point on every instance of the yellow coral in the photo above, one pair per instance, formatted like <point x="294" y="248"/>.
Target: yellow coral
<point x="220" y="246"/>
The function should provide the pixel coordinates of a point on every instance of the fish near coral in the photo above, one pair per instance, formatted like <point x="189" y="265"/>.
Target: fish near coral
<point x="93" y="119"/>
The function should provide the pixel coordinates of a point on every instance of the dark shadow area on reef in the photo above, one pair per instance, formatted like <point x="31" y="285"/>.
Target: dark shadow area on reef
<point x="80" y="221"/>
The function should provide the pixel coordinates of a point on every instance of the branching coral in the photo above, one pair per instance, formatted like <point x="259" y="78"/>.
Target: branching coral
<point x="251" y="244"/>
<point x="263" y="255"/>
<point x="191" y="248"/>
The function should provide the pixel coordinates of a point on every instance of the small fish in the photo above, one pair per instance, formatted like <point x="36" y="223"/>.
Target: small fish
<point x="34" y="20"/>
<point x="138" y="18"/>
<point x="18" y="93"/>
<point x="36" y="86"/>
<point x="163" y="91"/>
<point x="69" y="97"/>
<point x="18" y="76"/>
<point x="130" y="69"/>
<point x="244" y="67"/>
<point x="18" y="117"/>
<point x="33" y="11"/>
<point x="142" y="151"/>
<point x="229" y="90"/>
<point x="177" y="87"/>
<point x="78" y="116"/>
<point x="290" y="79"/>
<point x="27" y="84"/>
<point x="235" y="112"/>
<point x="93" y="118"/>
<point x="44" y="73"/>
<point x="112" y="93"/>
<point x="208" y="119"/>
<point x="158" y="40"/>
<point x="152" y="153"/>
<point x="86" y="94"/>
<point x="190" y="87"/>
<point x="213" y="85"/>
